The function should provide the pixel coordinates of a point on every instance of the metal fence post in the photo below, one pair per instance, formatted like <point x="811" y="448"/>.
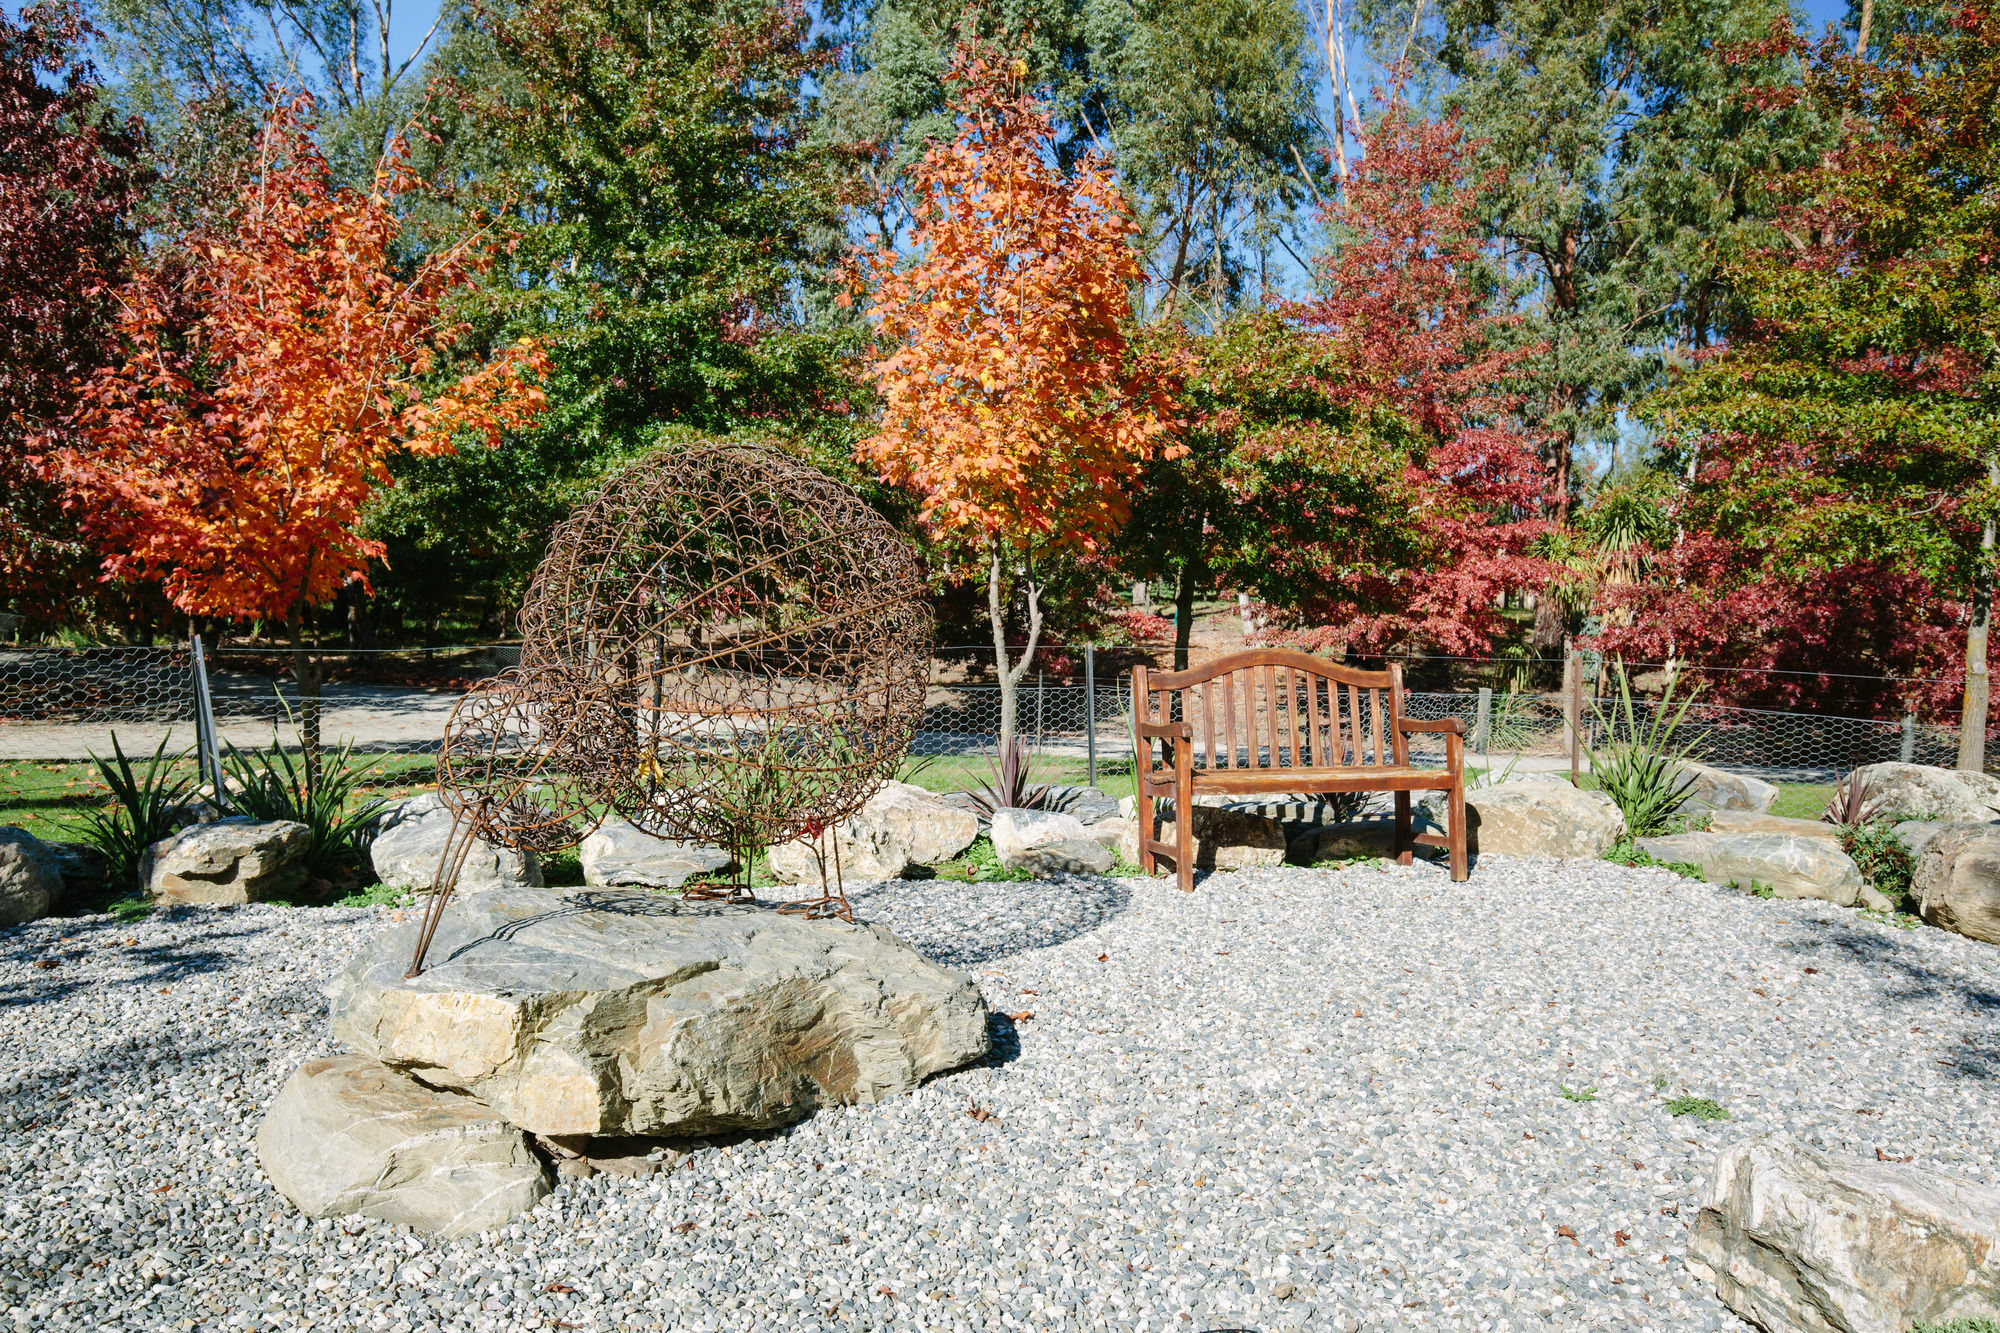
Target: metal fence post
<point x="1909" y="750"/>
<point x="207" y="760"/>
<point x="1482" y="722"/>
<point x="1090" y="712"/>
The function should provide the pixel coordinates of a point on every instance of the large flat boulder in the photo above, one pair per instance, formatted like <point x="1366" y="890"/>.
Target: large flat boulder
<point x="1535" y="818"/>
<point x="1793" y="866"/>
<point x="1043" y="842"/>
<point x="230" y="861"/>
<point x="901" y="827"/>
<point x="1226" y="837"/>
<point x="1717" y="789"/>
<point x="349" y="1135"/>
<point x="1797" y="1242"/>
<point x="1958" y="879"/>
<point x="1358" y="840"/>
<point x="1918" y="791"/>
<point x="620" y="854"/>
<point x="409" y="844"/>
<point x="608" y="1013"/>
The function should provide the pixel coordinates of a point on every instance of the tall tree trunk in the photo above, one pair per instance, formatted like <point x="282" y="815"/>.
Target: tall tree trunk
<point x="306" y="671"/>
<point x="996" y="609"/>
<point x="1191" y="573"/>
<point x="1861" y="44"/>
<point x="1978" y="685"/>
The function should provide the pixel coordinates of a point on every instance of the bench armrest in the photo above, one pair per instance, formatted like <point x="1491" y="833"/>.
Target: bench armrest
<point x="1170" y="731"/>
<point x="1450" y="725"/>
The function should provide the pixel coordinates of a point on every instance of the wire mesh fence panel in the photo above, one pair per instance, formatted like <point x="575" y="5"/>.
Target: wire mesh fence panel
<point x="73" y="686"/>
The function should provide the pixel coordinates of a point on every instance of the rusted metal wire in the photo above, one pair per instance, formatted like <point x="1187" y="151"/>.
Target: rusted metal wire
<point x="724" y="646"/>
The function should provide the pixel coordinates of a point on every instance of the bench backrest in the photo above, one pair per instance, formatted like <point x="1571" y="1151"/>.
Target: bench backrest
<point x="1273" y="708"/>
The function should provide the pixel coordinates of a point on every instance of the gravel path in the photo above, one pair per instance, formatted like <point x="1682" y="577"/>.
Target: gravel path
<point x="1291" y="1099"/>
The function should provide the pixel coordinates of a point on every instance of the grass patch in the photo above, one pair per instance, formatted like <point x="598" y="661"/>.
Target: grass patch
<point x="1701" y="1108"/>
<point x="131" y="909"/>
<point x="376" y="895"/>
<point x="1900" y="920"/>
<point x="1957" y="1326"/>
<point x="1802" y="801"/>
<point x="1758" y="889"/>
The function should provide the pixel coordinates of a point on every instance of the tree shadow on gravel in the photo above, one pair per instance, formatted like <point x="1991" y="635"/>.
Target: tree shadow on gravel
<point x="1905" y="975"/>
<point x="41" y="1098"/>
<point x="990" y="921"/>
<point x="103" y="937"/>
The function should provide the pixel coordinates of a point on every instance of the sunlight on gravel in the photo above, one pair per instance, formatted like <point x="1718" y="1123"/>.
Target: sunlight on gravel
<point x="1291" y="1099"/>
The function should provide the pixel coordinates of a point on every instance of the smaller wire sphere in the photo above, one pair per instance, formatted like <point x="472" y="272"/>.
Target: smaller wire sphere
<point x="528" y="756"/>
<point x="764" y="633"/>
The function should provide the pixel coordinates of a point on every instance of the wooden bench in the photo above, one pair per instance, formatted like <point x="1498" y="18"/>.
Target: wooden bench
<point x="1267" y="721"/>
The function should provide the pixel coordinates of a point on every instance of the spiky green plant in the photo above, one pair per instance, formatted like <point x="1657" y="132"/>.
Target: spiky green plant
<point x="270" y="784"/>
<point x="1640" y="767"/>
<point x="148" y="802"/>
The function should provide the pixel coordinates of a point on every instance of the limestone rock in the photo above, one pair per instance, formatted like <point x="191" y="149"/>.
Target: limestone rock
<point x="1116" y="833"/>
<point x="1225" y="837"/>
<point x="608" y="1013"/>
<point x="901" y="826"/>
<point x="1716" y="789"/>
<point x="618" y="853"/>
<point x="1535" y="818"/>
<point x="409" y="843"/>
<point x="1088" y="804"/>
<point x="1800" y="1243"/>
<point x="233" y="860"/>
<point x="1045" y="843"/>
<point x="1744" y="821"/>
<point x="1915" y="834"/>
<point x="1958" y="879"/>
<point x="1918" y="791"/>
<point x="1794" y="867"/>
<point x="29" y="881"/>
<point x="349" y="1135"/>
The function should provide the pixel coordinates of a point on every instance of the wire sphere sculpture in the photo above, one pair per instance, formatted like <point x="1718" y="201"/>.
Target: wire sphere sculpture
<point x="766" y="631"/>
<point x="724" y="646"/>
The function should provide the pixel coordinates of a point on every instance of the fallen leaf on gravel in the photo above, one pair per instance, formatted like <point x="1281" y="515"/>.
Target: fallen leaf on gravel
<point x="684" y="1227"/>
<point x="48" y="962"/>
<point x="1881" y="1156"/>
<point x="1566" y="1233"/>
<point x="559" y="1289"/>
<point x="1104" y="958"/>
<point x="1025" y="1013"/>
<point x="1620" y="1237"/>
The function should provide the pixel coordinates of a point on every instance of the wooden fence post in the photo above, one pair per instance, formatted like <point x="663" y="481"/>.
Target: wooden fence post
<point x="1573" y="712"/>
<point x="1482" y="722"/>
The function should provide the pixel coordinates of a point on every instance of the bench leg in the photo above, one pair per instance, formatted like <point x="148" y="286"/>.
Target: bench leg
<point x="1184" y="843"/>
<point x="1405" y="846"/>
<point x="1456" y="834"/>
<point x="1149" y="829"/>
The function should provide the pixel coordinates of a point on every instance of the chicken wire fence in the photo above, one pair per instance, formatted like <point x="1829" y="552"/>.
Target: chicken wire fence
<point x="1073" y="705"/>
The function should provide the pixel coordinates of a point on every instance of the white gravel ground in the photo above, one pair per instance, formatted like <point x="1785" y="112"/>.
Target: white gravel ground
<point x="1291" y="1099"/>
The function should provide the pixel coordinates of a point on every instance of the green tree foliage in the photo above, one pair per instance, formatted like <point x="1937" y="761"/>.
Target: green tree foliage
<point x="668" y="230"/>
<point x="1842" y="452"/>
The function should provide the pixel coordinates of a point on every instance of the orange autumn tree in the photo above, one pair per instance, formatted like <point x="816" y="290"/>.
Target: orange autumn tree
<point x="1011" y="403"/>
<point x="268" y="369"/>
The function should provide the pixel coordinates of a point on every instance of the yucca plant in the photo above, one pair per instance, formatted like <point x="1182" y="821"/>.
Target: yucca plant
<point x="271" y="784"/>
<point x="1639" y="767"/>
<point x="149" y="801"/>
<point x="1010" y="786"/>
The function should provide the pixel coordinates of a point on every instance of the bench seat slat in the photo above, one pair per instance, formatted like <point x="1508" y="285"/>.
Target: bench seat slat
<point x="1367" y="777"/>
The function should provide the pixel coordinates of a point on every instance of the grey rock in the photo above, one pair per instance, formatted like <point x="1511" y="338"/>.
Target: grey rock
<point x="1744" y="821"/>
<point x="618" y="853"/>
<point x="1915" y="834"/>
<point x="1359" y="840"/>
<point x="1044" y="843"/>
<point x="900" y="827"/>
<point x="1535" y="818"/>
<point x="348" y="1135"/>
<point x="1958" y="879"/>
<point x="612" y="1014"/>
<point x="85" y="872"/>
<point x="409" y="844"/>
<point x="1794" y="867"/>
<point x="1918" y="791"/>
<point x="1716" y="789"/>
<point x="1796" y="1242"/>
<point x="29" y="880"/>
<point x="1225" y="837"/>
<point x="228" y="861"/>
<point x="1088" y="804"/>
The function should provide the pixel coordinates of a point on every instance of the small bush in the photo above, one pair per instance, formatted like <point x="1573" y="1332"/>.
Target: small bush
<point x="149" y="801"/>
<point x="1640" y="769"/>
<point x="273" y="785"/>
<point x="1701" y="1108"/>
<point x="1883" y="859"/>
<point x="377" y="895"/>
